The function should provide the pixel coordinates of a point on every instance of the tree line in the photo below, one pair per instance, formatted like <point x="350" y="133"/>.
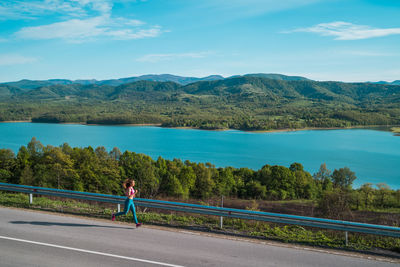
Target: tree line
<point x="98" y="170"/>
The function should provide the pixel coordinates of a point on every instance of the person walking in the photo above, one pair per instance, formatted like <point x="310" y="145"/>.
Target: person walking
<point x="130" y="192"/>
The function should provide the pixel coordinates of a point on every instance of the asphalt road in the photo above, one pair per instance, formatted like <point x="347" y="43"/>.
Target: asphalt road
<point x="30" y="238"/>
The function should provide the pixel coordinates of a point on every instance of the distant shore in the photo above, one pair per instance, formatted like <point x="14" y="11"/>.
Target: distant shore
<point x="13" y="121"/>
<point x="390" y="128"/>
<point x="374" y="127"/>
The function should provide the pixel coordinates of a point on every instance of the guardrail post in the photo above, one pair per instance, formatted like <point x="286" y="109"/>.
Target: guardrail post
<point x="346" y="235"/>
<point x="221" y="219"/>
<point x="30" y="198"/>
<point x="119" y="207"/>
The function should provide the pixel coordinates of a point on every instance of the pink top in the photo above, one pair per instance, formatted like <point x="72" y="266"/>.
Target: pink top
<point x="130" y="192"/>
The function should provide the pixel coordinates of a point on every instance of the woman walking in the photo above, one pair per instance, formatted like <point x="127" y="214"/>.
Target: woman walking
<point x="130" y="192"/>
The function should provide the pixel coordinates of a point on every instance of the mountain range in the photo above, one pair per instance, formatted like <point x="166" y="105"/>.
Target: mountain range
<point x="31" y="84"/>
<point x="238" y="88"/>
<point x="397" y="82"/>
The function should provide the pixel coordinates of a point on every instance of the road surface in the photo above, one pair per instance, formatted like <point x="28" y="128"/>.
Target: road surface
<point x="29" y="238"/>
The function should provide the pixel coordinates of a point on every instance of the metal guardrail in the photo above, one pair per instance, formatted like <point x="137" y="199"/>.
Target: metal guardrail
<point x="217" y="211"/>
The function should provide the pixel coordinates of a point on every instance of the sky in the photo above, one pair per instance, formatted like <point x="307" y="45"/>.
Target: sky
<point x="341" y="40"/>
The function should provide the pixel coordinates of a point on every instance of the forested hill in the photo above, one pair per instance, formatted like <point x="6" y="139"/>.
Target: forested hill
<point x="251" y="87"/>
<point x="240" y="88"/>
<point x="243" y="102"/>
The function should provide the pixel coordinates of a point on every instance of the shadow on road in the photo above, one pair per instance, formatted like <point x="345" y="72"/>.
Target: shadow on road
<point x="66" y="224"/>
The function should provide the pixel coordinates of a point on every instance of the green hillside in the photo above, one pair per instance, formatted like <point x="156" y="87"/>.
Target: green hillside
<point x="244" y="102"/>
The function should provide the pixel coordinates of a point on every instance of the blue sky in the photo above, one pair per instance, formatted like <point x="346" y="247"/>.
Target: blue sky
<point x="345" y="40"/>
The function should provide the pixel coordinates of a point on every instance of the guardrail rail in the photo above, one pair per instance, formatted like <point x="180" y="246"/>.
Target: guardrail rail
<point x="211" y="210"/>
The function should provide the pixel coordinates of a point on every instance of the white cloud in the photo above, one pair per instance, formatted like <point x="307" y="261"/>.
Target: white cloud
<point x="152" y="58"/>
<point x="71" y="29"/>
<point x="347" y="31"/>
<point x="76" y="21"/>
<point x="128" y="34"/>
<point x="31" y="9"/>
<point x="80" y="30"/>
<point x="15" y="59"/>
<point x="129" y="22"/>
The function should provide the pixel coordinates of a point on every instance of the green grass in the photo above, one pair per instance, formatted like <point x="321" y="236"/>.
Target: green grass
<point x="382" y="210"/>
<point x="260" y="230"/>
<point x="293" y="201"/>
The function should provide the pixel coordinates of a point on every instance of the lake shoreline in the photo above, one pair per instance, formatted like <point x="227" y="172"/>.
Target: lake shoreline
<point x="389" y="128"/>
<point x="373" y="155"/>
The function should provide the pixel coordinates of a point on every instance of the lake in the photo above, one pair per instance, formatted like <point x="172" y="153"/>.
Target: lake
<point x="373" y="155"/>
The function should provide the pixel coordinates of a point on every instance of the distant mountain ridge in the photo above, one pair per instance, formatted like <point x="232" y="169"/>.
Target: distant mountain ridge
<point x="397" y="82"/>
<point x="31" y="84"/>
<point x="276" y="76"/>
<point x="237" y="89"/>
<point x="182" y="80"/>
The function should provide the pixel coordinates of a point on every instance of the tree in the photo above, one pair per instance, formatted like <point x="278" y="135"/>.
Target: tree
<point x="397" y="194"/>
<point x="187" y="178"/>
<point x="296" y="167"/>
<point x="115" y="153"/>
<point x="7" y="165"/>
<point x="59" y="169"/>
<point x="255" y="189"/>
<point x="67" y="149"/>
<point x="343" y="178"/>
<point x="172" y="186"/>
<point x="305" y="187"/>
<point x="101" y="153"/>
<point x="323" y="173"/>
<point x="26" y="176"/>
<point x="142" y="169"/>
<point x="264" y="174"/>
<point x="224" y="182"/>
<point x="367" y="193"/>
<point x="204" y="184"/>
<point x="243" y="176"/>
<point x="87" y="165"/>
<point x="383" y="193"/>
<point x="282" y="182"/>
<point x="35" y="149"/>
<point x="23" y="173"/>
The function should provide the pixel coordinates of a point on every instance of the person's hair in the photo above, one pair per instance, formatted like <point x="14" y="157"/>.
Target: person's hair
<point x="128" y="183"/>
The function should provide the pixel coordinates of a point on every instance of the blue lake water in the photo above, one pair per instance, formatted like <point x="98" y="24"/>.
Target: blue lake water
<point x="373" y="155"/>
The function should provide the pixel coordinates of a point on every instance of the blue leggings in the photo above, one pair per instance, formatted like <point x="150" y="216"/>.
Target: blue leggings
<point x="128" y="206"/>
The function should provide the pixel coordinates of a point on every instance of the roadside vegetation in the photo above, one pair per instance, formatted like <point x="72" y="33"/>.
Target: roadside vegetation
<point x="236" y="227"/>
<point x="101" y="171"/>
<point x="290" y="190"/>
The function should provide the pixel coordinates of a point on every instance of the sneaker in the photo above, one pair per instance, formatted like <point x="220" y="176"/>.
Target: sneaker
<point x="138" y="225"/>
<point x="113" y="217"/>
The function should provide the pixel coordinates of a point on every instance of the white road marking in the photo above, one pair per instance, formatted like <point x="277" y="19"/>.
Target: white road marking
<point x="89" y="251"/>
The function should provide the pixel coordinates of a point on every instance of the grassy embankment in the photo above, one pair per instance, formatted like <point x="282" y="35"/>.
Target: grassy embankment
<point x="260" y="230"/>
